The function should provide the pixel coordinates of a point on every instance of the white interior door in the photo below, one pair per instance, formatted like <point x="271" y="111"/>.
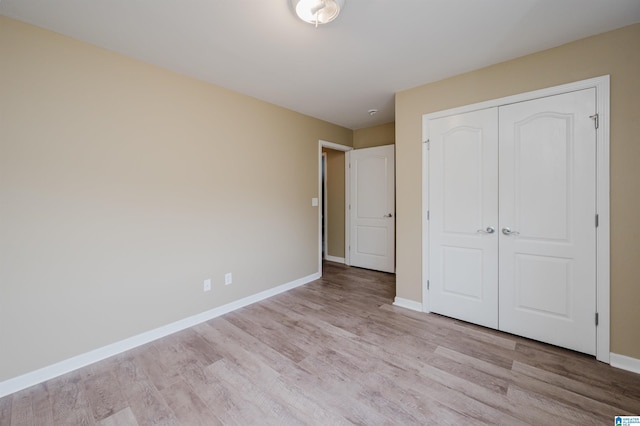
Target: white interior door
<point x="372" y="208"/>
<point x="547" y="220"/>
<point x="463" y="217"/>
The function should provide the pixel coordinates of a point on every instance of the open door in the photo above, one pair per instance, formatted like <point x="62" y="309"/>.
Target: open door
<point x="372" y="208"/>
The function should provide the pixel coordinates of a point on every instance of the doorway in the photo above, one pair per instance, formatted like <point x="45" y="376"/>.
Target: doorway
<point x="333" y="226"/>
<point x="357" y="210"/>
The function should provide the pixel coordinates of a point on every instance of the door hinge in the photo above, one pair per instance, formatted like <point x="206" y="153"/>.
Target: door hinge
<point x="596" y="119"/>
<point x="597" y="220"/>
<point x="427" y="143"/>
<point x="427" y="214"/>
<point x="427" y="284"/>
<point x="597" y="319"/>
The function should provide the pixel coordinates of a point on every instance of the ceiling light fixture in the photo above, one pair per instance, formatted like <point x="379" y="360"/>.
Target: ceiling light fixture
<point x="317" y="11"/>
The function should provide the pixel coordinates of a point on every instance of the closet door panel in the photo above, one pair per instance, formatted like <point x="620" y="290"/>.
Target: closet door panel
<point x="547" y="157"/>
<point x="463" y="181"/>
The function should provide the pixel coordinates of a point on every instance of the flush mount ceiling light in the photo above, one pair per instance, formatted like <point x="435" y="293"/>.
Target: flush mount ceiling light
<point x="317" y="11"/>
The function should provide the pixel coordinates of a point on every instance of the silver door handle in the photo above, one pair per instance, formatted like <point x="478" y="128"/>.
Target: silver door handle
<point x="388" y="215"/>
<point x="508" y="231"/>
<point x="489" y="230"/>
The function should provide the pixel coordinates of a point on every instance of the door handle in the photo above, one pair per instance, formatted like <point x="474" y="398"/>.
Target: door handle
<point x="388" y="215"/>
<point x="489" y="230"/>
<point x="507" y="231"/>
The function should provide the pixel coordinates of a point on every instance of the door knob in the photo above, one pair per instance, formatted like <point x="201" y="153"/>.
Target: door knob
<point x="489" y="230"/>
<point x="388" y="215"/>
<point x="508" y="231"/>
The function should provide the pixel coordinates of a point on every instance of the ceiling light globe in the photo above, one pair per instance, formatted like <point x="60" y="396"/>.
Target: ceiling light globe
<point x="317" y="11"/>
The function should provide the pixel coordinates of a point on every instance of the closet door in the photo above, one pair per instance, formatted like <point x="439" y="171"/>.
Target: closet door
<point x="463" y="217"/>
<point x="547" y="220"/>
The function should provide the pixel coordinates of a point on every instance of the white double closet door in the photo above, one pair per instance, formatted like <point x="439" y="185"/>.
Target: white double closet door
<point x="512" y="218"/>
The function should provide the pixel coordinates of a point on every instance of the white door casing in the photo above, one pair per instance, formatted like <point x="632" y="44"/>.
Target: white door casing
<point x="372" y="208"/>
<point x="548" y="201"/>
<point x="325" y="207"/>
<point x="463" y="164"/>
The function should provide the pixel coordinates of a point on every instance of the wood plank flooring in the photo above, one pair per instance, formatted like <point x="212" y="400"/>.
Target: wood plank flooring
<point x="333" y="352"/>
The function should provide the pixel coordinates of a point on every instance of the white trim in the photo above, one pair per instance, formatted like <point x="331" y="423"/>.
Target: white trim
<point x="625" y="363"/>
<point x="336" y="146"/>
<point x="325" y="207"/>
<point x="345" y="149"/>
<point x="47" y="373"/>
<point x="603" y="285"/>
<point x="407" y="304"/>
<point x="425" y="222"/>
<point x="334" y="259"/>
<point x="595" y="82"/>
<point x="347" y="204"/>
<point x="603" y="266"/>
<point x="320" y="211"/>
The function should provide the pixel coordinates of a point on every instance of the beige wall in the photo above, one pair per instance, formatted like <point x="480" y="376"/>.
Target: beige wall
<point x="616" y="53"/>
<point x="335" y="203"/>
<point x="369" y="137"/>
<point x="123" y="186"/>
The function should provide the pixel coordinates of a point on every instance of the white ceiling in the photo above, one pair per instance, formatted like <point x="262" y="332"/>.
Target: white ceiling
<point x="338" y="71"/>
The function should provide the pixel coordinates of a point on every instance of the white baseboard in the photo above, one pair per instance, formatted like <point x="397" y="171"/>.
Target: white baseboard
<point x="409" y="304"/>
<point x="334" y="259"/>
<point x="47" y="373"/>
<point x="625" y="363"/>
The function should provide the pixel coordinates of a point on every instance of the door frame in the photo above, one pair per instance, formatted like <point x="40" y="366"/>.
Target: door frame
<point x="324" y="203"/>
<point x="345" y="149"/>
<point x="601" y="84"/>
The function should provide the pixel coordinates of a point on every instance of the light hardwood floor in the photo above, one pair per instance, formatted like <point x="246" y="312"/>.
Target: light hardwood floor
<point x="333" y="352"/>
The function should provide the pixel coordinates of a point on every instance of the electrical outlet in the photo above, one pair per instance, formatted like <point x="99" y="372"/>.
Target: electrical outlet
<point x="207" y="284"/>
<point x="228" y="278"/>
